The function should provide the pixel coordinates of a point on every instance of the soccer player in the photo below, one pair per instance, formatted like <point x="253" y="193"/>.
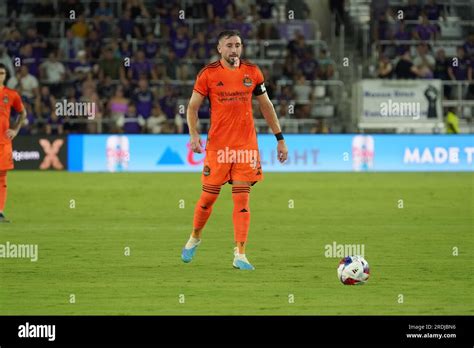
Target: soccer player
<point x="231" y="147"/>
<point x="8" y="99"/>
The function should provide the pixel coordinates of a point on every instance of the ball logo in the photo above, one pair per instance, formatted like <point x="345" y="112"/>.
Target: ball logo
<point x="362" y="153"/>
<point x="118" y="153"/>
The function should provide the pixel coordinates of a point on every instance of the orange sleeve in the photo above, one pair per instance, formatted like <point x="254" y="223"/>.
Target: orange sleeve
<point x="201" y="85"/>
<point x="17" y="104"/>
<point x="259" y="76"/>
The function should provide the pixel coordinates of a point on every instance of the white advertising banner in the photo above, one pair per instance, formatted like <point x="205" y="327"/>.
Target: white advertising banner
<point x="396" y="103"/>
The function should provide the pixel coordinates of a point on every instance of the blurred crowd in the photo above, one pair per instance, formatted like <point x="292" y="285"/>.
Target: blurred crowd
<point x="134" y="68"/>
<point x="420" y="60"/>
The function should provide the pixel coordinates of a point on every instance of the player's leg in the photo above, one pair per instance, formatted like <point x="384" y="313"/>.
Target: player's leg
<point x="243" y="175"/>
<point x="213" y="176"/>
<point x="6" y="163"/>
<point x="241" y="219"/>
<point x="3" y="194"/>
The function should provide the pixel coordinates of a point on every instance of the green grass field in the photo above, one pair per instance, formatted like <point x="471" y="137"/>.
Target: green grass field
<point x="81" y="250"/>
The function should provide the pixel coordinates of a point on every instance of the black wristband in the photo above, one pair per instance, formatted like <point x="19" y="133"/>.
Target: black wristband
<point x="279" y="136"/>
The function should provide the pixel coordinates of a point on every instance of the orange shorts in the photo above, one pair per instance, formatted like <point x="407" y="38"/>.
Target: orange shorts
<point x="6" y="156"/>
<point x="222" y="166"/>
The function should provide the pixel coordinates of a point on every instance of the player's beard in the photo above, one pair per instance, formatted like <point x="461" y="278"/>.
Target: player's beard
<point x="233" y="61"/>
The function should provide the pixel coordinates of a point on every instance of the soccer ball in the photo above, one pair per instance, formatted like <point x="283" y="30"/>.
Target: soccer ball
<point x="353" y="270"/>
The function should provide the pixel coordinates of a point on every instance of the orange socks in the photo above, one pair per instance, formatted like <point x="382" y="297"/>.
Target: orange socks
<point x="241" y="214"/>
<point x="204" y="205"/>
<point x="3" y="189"/>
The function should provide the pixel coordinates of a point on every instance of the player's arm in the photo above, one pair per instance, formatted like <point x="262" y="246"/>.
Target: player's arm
<point x="13" y="131"/>
<point x="192" y="118"/>
<point x="268" y="112"/>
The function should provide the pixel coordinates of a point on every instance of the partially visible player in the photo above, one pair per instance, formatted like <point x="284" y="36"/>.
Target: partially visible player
<point x="8" y="99"/>
<point x="231" y="148"/>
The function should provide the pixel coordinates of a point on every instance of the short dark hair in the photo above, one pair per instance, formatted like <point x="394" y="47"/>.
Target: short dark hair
<point x="228" y="33"/>
<point x="7" y="73"/>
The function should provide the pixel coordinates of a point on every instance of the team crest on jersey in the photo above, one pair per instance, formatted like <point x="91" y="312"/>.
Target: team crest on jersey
<point x="206" y="171"/>
<point x="247" y="81"/>
<point x="5" y="100"/>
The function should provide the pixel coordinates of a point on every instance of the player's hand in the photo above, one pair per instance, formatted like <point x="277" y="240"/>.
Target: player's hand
<point x="282" y="151"/>
<point x="11" y="133"/>
<point x="196" y="144"/>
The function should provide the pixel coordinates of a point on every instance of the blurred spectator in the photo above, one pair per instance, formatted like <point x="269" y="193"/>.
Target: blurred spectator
<point x="425" y="30"/>
<point x="80" y="28"/>
<point x="402" y="35"/>
<point x="150" y="47"/>
<point x="157" y="120"/>
<point x="265" y="8"/>
<point x="424" y="61"/>
<point x="127" y="26"/>
<point x="200" y="49"/>
<point x="53" y="72"/>
<point x="110" y="66"/>
<point x="137" y="9"/>
<point x="308" y="65"/>
<point x="27" y="85"/>
<point x="143" y="99"/>
<point x="181" y="43"/>
<point x="405" y="69"/>
<point x="54" y="124"/>
<point x="297" y="46"/>
<point x="385" y="68"/>
<point x="70" y="7"/>
<point x="171" y="65"/>
<point x="460" y="69"/>
<point x="103" y="15"/>
<point x="433" y="10"/>
<point x="13" y="43"/>
<point x="337" y="10"/>
<point x="93" y="45"/>
<point x="126" y="50"/>
<point x="118" y="104"/>
<point x="168" y="102"/>
<point x="412" y="11"/>
<point x="320" y="127"/>
<point x="44" y="10"/>
<point x="300" y="8"/>
<point x="81" y="67"/>
<point x="130" y="122"/>
<point x="326" y="65"/>
<point x="441" y="70"/>
<point x="469" y="46"/>
<point x="452" y="122"/>
<point x="220" y="8"/>
<point x="141" y="67"/>
<point x="27" y="58"/>
<point x="37" y="43"/>
<point x="45" y="104"/>
<point x="69" y="46"/>
<point x="6" y="60"/>
<point x="302" y="95"/>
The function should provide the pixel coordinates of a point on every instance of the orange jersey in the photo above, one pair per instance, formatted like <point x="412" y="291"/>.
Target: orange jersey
<point x="8" y="98"/>
<point x="230" y="97"/>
